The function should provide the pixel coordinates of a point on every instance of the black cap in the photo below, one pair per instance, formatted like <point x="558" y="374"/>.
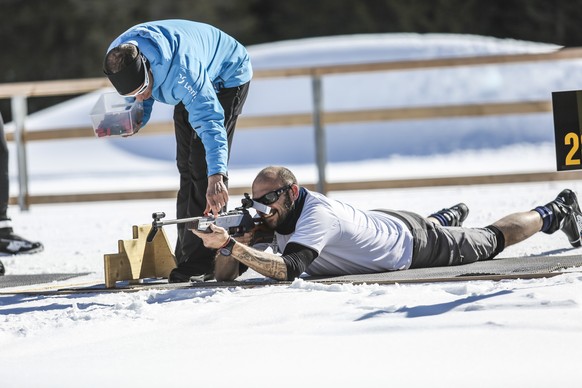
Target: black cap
<point x="130" y="77"/>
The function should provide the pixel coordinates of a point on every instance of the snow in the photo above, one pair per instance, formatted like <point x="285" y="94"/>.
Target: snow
<point x="479" y="333"/>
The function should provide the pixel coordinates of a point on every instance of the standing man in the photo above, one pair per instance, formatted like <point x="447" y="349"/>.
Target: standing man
<point x="322" y="237"/>
<point x="10" y="243"/>
<point x="205" y="73"/>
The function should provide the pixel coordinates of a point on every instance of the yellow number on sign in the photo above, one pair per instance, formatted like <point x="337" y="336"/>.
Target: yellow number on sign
<point x="572" y="139"/>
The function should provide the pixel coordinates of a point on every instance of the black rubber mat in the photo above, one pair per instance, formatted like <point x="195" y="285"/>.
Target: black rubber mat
<point x="498" y="269"/>
<point x="29" y="280"/>
<point x="502" y="267"/>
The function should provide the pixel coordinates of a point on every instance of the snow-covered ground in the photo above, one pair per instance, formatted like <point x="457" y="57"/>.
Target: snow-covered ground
<point x="510" y="333"/>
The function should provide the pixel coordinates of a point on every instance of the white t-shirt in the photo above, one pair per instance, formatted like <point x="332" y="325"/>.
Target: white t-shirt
<point x="348" y="240"/>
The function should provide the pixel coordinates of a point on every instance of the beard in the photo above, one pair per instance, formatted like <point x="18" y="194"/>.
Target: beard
<point x="281" y="215"/>
<point x="288" y="205"/>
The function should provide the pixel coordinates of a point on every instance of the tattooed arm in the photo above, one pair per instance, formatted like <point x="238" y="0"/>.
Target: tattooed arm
<point x="290" y="265"/>
<point x="267" y="264"/>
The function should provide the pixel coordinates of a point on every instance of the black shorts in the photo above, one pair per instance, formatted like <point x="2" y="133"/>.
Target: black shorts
<point x="438" y="246"/>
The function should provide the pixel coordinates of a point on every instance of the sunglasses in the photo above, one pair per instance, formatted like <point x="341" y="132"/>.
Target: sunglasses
<point x="146" y="81"/>
<point x="272" y="196"/>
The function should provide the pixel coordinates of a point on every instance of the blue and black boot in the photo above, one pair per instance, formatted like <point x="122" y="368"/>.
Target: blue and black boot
<point x="452" y="216"/>
<point x="563" y="213"/>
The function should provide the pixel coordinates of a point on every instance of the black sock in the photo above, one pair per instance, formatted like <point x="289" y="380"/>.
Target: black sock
<point x="547" y="216"/>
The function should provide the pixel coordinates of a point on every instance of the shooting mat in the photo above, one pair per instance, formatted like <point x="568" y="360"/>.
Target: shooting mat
<point x="498" y="269"/>
<point x="29" y="280"/>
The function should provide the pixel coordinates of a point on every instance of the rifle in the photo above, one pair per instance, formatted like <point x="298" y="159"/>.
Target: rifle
<point x="237" y="222"/>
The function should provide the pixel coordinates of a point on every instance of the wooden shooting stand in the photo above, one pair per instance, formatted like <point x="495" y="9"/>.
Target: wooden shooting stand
<point x="139" y="259"/>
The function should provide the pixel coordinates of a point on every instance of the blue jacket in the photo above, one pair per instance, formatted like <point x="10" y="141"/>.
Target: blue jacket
<point x="190" y="62"/>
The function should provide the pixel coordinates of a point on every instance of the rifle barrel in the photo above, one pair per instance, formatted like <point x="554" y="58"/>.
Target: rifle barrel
<point x="159" y="223"/>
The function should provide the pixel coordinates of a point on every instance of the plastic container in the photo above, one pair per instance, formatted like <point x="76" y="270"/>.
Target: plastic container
<point x="116" y="115"/>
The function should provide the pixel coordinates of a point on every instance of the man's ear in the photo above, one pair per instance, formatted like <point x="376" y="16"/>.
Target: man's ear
<point x="295" y="191"/>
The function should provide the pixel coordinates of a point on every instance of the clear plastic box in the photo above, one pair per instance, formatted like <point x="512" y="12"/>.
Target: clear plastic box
<point x="116" y="115"/>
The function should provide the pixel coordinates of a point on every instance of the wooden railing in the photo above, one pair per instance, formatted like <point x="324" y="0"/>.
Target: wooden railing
<point x="19" y="92"/>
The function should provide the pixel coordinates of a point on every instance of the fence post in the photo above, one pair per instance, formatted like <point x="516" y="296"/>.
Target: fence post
<point x="320" y="146"/>
<point x="19" y="112"/>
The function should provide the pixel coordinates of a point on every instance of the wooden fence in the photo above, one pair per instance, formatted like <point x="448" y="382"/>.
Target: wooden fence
<point x="19" y="92"/>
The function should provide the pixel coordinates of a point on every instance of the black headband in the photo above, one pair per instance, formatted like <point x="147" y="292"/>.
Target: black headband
<point x="130" y="78"/>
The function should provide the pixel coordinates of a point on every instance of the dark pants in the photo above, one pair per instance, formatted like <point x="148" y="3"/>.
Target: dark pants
<point x="438" y="246"/>
<point x="192" y="256"/>
<point x="4" y="188"/>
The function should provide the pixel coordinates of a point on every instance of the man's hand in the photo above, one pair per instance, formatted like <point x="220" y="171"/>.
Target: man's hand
<point x="215" y="239"/>
<point x="245" y="239"/>
<point x="136" y="128"/>
<point x="216" y="195"/>
<point x="259" y="234"/>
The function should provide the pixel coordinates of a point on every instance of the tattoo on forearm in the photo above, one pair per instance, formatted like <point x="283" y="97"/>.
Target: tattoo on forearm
<point x="266" y="264"/>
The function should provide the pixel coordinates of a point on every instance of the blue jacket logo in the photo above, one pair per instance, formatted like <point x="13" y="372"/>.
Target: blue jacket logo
<point x="182" y="81"/>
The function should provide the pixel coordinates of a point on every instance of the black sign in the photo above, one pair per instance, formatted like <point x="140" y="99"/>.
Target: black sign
<point x="567" y="108"/>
